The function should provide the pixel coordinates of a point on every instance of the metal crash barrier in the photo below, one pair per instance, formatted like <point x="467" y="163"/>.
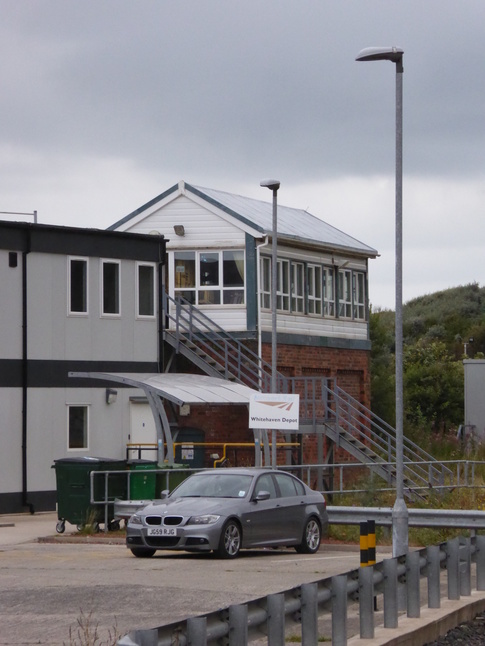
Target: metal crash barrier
<point x="268" y="617"/>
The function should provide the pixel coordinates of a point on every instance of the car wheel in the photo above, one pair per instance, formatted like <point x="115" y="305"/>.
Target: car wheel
<point x="230" y="541"/>
<point x="142" y="552"/>
<point x="312" y="535"/>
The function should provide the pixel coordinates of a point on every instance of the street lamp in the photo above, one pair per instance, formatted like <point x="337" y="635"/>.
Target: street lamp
<point x="400" y="515"/>
<point x="273" y="185"/>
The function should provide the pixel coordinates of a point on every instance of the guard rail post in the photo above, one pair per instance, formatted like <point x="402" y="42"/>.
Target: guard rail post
<point x="465" y="567"/>
<point x="433" y="575"/>
<point x="480" y="561"/>
<point x="309" y="614"/>
<point x="197" y="631"/>
<point x="238" y="625"/>
<point x="276" y="619"/>
<point x="366" y="602"/>
<point x="453" y="568"/>
<point x="390" y="593"/>
<point x="339" y="610"/>
<point x="412" y="584"/>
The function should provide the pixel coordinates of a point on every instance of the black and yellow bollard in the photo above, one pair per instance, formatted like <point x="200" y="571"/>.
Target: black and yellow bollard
<point x="368" y="546"/>
<point x="371" y="542"/>
<point x="364" y="544"/>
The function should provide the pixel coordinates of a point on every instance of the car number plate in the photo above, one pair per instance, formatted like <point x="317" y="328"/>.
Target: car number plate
<point x="161" y="531"/>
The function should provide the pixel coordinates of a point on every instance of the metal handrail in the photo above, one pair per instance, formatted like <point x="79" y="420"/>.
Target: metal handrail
<point x="237" y="360"/>
<point x="333" y="405"/>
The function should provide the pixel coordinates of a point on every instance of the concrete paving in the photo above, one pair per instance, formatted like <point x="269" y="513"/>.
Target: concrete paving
<point x="51" y="590"/>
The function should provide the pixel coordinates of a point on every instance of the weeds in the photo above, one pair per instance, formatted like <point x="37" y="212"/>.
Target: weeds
<point x="86" y="632"/>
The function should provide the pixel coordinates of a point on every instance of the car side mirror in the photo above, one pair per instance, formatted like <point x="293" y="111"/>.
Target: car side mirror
<point x="164" y="494"/>
<point x="262" y="495"/>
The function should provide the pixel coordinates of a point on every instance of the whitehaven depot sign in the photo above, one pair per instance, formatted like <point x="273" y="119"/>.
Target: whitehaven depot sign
<point x="274" y="411"/>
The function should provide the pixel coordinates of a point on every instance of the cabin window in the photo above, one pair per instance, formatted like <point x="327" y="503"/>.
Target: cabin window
<point x="319" y="284"/>
<point x="328" y="292"/>
<point x="78" y="425"/>
<point x="359" y="295"/>
<point x="78" y="286"/>
<point x="297" y="288"/>
<point x="145" y="290"/>
<point x="283" y="285"/>
<point x="345" y="293"/>
<point x="265" y="270"/>
<point x="110" y="287"/>
<point x="314" y="284"/>
<point x="210" y="277"/>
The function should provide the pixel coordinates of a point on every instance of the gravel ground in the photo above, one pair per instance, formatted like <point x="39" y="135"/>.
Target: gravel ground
<point x="471" y="633"/>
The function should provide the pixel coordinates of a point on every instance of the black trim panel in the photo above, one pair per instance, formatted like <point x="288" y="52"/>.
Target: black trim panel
<point x="40" y="238"/>
<point x="318" y="341"/>
<point x="54" y="374"/>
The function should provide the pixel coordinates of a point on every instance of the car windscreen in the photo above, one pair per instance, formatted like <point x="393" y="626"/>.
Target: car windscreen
<point x="214" y="485"/>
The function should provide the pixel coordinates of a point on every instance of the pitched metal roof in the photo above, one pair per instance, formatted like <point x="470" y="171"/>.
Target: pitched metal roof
<point x="294" y="225"/>
<point x="179" y="388"/>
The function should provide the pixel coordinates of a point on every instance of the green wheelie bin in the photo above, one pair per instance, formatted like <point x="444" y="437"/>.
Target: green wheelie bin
<point x="142" y="485"/>
<point x="74" y="489"/>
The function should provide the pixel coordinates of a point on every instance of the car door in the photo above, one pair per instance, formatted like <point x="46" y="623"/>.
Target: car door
<point x="292" y="505"/>
<point x="264" y="522"/>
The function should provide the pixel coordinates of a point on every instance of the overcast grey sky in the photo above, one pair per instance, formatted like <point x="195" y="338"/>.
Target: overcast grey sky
<point x="107" y="103"/>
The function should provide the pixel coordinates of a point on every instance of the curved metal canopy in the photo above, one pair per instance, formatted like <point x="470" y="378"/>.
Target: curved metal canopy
<point x="179" y="388"/>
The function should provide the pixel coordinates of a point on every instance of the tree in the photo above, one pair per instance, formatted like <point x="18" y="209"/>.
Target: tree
<point x="433" y="385"/>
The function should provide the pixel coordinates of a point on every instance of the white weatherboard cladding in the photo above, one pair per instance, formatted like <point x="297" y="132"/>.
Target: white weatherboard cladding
<point x="203" y="228"/>
<point x="231" y="318"/>
<point x="316" y="326"/>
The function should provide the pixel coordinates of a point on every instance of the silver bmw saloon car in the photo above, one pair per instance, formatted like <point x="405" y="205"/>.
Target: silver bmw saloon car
<point x="226" y="510"/>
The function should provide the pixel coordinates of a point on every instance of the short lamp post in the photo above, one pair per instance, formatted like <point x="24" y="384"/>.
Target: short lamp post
<point x="273" y="185"/>
<point x="400" y="514"/>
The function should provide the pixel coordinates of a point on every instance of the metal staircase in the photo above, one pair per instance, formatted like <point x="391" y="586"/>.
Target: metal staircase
<point x="324" y="407"/>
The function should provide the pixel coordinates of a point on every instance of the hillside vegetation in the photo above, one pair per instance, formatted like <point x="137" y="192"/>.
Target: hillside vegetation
<point x="439" y="331"/>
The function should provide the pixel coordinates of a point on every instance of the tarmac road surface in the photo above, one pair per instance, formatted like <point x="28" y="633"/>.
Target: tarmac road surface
<point x="46" y="587"/>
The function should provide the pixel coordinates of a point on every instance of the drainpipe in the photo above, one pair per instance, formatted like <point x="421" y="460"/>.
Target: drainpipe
<point x="161" y="310"/>
<point x="25" y="501"/>
<point x="258" y="435"/>
<point x="258" y="278"/>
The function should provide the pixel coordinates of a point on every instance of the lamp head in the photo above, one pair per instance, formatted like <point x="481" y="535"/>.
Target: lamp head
<point x="272" y="184"/>
<point x="393" y="54"/>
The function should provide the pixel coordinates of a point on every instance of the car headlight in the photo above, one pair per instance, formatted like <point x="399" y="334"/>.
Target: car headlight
<point x="135" y="520"/>
<point x="207" y="519"/>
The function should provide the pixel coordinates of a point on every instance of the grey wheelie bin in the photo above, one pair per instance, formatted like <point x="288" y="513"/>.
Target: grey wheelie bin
<point x="74" y="488"/>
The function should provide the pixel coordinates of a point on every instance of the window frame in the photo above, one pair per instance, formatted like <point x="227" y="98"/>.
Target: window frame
<point x="85" y="261"/>
<point x="86" y="423"/>
<point x="328" y="291"/>
<point x="359" y="296"/>
<point x="314" y="289"/>
<point x="117" y="294"/>
<point x="152" y="266"/>
<point x="220" y="292"/>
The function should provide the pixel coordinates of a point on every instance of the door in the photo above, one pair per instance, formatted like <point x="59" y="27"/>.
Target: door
<point x="143" y="432"/>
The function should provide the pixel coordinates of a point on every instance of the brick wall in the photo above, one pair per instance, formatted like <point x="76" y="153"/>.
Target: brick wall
<point x="222" y="424"/>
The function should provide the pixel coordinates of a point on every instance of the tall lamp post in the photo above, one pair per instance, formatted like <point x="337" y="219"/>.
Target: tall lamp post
<point x="273" y="185"/>
<point x="400" y="515"/>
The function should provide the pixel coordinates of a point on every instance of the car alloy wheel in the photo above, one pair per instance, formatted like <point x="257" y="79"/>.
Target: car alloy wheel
<point x="311" y="538"/>
<point x="230" y="541"/>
